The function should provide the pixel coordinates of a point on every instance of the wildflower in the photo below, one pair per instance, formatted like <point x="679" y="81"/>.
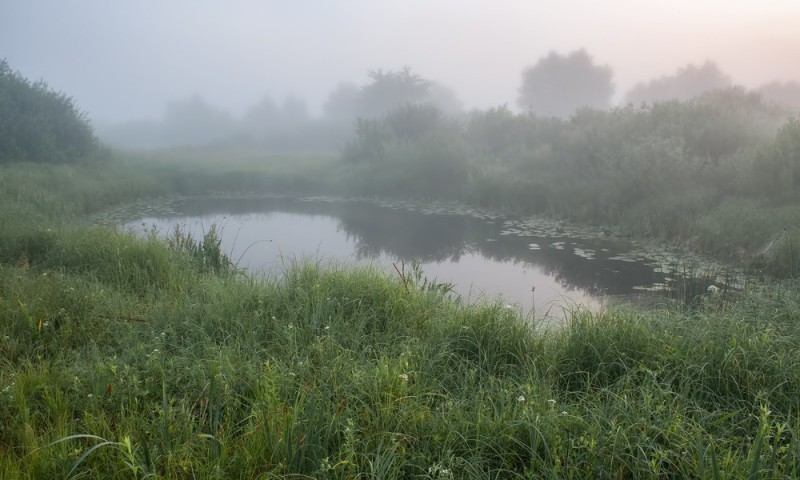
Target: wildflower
<point x="89" y="396"/>
<point x="521" y="399"/>
<point x="564" y="412"/>
<point x="403" y="377"/>
<point x="327" y="327"/>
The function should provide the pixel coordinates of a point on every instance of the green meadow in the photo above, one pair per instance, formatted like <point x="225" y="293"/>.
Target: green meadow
<point x="126" y="357"/>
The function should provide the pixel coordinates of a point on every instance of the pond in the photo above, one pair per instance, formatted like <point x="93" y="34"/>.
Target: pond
<point x="530" y="264"/>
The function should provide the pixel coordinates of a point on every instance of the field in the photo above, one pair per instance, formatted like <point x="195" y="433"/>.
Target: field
<point x="124" y="357"/>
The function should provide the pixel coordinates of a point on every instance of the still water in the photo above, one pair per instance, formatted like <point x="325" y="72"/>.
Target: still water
<point x="528" y="264"/>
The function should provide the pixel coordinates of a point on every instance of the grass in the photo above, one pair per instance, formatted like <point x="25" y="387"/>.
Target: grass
<point x="124" y="357"/>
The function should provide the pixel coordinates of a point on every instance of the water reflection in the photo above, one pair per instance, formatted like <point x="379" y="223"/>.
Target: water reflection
<point x="479" y="255"/>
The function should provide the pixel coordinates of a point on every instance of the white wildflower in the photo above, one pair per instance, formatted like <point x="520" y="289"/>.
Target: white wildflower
<point x="521" y="399"/>
<point x="403" y="377"/>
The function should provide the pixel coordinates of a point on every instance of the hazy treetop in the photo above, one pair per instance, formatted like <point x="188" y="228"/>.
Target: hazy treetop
<point x="689" y="81"/>
<point x="124" y="60"/>
<point x="558" y="85"/>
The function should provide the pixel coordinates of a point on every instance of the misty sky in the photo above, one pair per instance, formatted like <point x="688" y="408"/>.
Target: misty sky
<point x="127" y="59"/>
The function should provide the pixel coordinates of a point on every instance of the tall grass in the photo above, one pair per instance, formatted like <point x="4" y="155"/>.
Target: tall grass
<point x="129" y="357"/>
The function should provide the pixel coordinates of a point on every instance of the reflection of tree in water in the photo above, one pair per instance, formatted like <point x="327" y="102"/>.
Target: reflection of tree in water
<point x="405" y="235"/>
<point x="434" y="238"/>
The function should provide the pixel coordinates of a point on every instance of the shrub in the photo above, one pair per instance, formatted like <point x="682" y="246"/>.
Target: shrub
<point x="38" y="124"/>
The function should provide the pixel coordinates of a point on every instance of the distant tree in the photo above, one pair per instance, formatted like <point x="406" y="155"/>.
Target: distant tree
<point x="782" y="94"/>
<point x="559" y="85"/>
<point x="264" y="113"/>
<point x="389" y="90"/>
<point x="414" y="148"/>
<point x="689" y="81"/>
<point x="444" y="98"/>
<point x="412" y="122"/>
<point x="496" y="130"/>
<point x="193" y="121"/>
<point x="38" y="124"/>
<point x="787" y="150"/>
<point x="295" y="111"/>
<point x="342" y="103"/>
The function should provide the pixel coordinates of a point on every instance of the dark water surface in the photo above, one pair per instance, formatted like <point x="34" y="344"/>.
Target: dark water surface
<point x="484" y="255"/>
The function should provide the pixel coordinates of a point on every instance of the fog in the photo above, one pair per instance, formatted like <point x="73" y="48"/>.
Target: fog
<point x="125" y="61"/>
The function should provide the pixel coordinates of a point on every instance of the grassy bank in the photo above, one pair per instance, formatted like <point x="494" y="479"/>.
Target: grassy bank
<point x="125" y="357"/>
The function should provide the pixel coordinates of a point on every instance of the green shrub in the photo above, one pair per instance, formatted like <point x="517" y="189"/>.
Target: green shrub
<point x="38" y="124"/>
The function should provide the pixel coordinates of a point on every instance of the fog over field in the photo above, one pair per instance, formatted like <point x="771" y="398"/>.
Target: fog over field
<point x="127" y="61"/>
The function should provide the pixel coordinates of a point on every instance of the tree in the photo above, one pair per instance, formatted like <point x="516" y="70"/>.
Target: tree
<point x="559" y="85"/>
<point x="444" y="98"/>
<point x="786" y="95"/>
<point x="342" y="102"/>
<point x="38" y="124"/>
<point x="295" y="111"/>
<point x="194" y="121"/>
<point x="262" y="115"/>
<point x="390" y="90"/>
<point x="688" y="82"/>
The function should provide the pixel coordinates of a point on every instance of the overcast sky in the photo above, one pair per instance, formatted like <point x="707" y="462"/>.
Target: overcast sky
<point x="127" y="59"/>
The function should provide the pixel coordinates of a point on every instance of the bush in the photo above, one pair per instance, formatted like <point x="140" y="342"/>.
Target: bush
<point x="38" y="124"/>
